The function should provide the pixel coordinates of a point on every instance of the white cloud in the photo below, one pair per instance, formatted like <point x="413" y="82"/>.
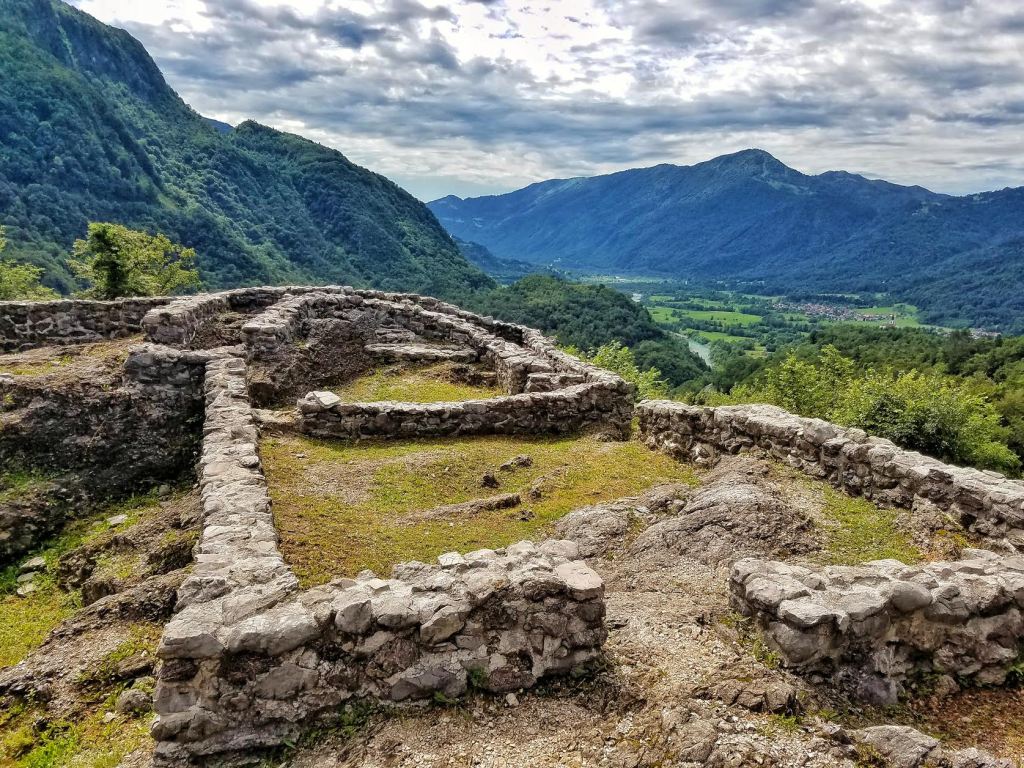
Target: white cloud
<point x="468" y="96"/>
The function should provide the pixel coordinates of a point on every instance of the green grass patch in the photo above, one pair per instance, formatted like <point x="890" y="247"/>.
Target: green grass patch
<point x="859" y="531"/>
<point x="28" y="739"/>
<point x="26" y="621"/>
<point x="721" y="316"/>
<point x="427" y="384"/>
<point x="663" y="314"/>
<point x="342" y="507"/>
<point x="709" y="336"/>
<point x="15" y="483"/>
<point x="39" y="368"/>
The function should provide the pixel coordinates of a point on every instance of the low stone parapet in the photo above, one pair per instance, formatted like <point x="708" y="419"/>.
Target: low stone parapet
<point x="986" y="503"/>
<point x="605" y="406"/>
<point x="421" y="353"/>
<point x="25" y="324"/>
<point x="878" y="627"/>
<point x="241" y="673"/>
<point x="177" y="322"/>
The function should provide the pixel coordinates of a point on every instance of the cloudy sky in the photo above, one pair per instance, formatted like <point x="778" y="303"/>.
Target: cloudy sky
<point x="479" y="96"/>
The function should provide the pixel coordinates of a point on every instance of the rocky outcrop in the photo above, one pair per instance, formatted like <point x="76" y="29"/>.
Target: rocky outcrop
<point x="985" y="503"/>
<point x="899" y="746"/>
<point x="736" y="514"/>
<point x="876" y="628"/>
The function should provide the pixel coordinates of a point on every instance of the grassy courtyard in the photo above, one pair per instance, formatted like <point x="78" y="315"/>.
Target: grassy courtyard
<point x="340" y="508"/>
<point x="420" y="384"/>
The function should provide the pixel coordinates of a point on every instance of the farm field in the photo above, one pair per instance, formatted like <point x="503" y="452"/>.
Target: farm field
<point x="756" y="324"/>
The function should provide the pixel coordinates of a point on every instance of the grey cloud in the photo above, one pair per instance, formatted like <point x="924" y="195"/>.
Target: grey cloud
<point x="854" y="76"/>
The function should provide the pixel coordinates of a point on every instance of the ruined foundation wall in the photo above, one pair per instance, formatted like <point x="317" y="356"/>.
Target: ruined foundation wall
<point x="249" y="658"/>
<point x="98" y="439"/>
<point x="987" y="504"/>
<point x="25" y="324"/>
<point x="607" y="407"/>
<point x="879" y="627"/>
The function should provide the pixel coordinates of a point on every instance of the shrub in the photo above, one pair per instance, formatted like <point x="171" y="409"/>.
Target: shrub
<point x="117" y="261"/>
<point x="620" y="359"/>
<point x="940" y="415"/>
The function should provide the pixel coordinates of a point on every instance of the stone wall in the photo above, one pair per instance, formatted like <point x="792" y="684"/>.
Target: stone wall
<point x="607" y="407"/>
<point x="882" y="626"/>
<point x="987" y="504"/>
<point x="177" y="323"/>
<point x="97" y="439"/>
<point x="565" y="395"/>
<point x="249" y="658"/>
<point x="25" y="324"/>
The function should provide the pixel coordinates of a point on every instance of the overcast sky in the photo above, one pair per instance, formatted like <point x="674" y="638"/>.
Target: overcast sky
<point x="472" y="97"/>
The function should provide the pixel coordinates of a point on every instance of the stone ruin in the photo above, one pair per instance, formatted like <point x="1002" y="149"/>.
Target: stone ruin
<point x="876" y="627"/>
<point x="249" y="657"/>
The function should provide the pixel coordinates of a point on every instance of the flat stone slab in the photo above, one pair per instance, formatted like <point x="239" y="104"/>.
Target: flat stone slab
<point x="422" y="352"/>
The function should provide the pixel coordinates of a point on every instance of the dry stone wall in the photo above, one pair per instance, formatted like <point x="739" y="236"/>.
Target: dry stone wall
<point x="249" y="656"/>
<point x="877" y="627"/>
<point x="25" y="324"/>
<point x="987" y="504"/>
<point x="573" y="409"/>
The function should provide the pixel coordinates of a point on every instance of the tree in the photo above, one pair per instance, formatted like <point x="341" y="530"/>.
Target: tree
<point x="117" y="261"/>
<point x="20" y="281"/>
<point x="619" y="359"/>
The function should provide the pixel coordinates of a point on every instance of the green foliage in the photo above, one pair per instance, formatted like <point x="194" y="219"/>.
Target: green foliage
<point x="116" y="261"/>
<point x="928" y="411"/>
<point x="588" y="316"/>
<point x="988" y="367"/>
<point x="91" y="132"/>
<point x="619" y="359"/>
<point x="20" y="281"/>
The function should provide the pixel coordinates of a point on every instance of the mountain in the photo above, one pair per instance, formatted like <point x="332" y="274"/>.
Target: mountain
<point x="502" y="270"/>
<point x="748" y="218"/>
<point x="89" y="130"/>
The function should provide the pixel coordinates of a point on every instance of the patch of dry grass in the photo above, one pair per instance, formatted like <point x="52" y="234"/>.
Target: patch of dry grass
<point x="342" y="507"/>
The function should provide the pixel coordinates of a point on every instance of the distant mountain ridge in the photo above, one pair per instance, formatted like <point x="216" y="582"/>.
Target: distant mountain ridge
<point x="89" y="130"/>
<point x="747" y="218"/>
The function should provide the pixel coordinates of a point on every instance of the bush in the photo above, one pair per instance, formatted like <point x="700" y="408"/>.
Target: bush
<point x="620" y="359"/>
<point x="118" y="261"/>
<point x="931" y="412"/>
<point x="21" y="281"/>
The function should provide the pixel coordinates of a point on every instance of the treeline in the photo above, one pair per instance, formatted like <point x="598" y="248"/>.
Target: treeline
<point x="587" y="317"/>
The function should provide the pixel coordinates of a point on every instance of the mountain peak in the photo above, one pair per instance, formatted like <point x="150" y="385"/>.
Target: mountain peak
<point x="750" y="160"/>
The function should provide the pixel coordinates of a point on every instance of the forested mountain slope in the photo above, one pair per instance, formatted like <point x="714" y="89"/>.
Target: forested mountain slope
<point x="749" y="218"/>
<point x="89" y="130"/>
